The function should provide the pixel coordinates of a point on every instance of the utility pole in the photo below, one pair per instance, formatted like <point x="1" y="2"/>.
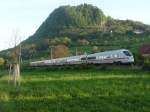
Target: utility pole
<point x="20" y="54"/>
<point x="111" y="33"/>
<point x="51" y="50"/>
<point x="19" y="61"/>
<point x="76" y="51"/>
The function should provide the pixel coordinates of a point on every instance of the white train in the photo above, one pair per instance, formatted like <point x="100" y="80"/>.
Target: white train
<point x="122" y="56"/>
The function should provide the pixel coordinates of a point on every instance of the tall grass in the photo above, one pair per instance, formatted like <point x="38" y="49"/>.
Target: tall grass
<point x="77" y="91"/>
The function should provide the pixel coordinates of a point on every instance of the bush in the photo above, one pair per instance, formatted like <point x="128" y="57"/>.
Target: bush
<point x="147" y="62"/>
<point x="2" y="61"/>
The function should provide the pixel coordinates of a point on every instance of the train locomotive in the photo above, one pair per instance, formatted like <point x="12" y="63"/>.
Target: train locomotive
<point x="121" y="56"/>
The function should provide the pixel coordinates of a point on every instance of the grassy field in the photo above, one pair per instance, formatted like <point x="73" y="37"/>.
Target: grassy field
<point x="77" y="91"/>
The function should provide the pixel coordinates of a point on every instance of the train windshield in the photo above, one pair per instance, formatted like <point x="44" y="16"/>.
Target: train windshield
<point x="127" y="53"/>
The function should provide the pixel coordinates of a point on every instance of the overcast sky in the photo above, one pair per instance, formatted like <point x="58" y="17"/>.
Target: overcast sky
<point x="25" y="16"/>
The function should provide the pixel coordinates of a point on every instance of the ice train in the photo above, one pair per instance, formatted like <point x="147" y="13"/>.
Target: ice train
<point x="121" y="56"/>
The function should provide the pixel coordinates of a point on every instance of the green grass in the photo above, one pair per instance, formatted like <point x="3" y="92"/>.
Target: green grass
<point x="77" y="91"/>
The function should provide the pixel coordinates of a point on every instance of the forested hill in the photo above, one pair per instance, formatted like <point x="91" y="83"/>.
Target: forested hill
<point x="81" y="19"/>
<point x="87" y="28"/>
<point x="70" y="17"/>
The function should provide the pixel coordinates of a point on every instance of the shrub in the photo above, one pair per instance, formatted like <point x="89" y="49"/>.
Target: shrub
<point x="2" y="61"/>
<point x="146" y="62"/>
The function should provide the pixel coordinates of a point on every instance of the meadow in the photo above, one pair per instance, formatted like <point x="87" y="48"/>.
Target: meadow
<point x="77" y="91"/>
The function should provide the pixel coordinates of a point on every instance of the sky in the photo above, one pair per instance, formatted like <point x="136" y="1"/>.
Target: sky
<point x="25" y="16"/>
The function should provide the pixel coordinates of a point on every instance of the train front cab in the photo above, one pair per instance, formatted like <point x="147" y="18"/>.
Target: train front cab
<point x="127" y="57"/>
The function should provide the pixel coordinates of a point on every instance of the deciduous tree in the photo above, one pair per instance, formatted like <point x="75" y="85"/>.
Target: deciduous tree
<point x="61" y="51"/>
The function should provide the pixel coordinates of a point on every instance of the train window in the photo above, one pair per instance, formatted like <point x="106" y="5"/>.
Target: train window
<point x="108" y="56"/>
<point x="104" y="57"/>
<point x="84" y="58"/>
<point x="115" y="55"/>
<point x="111" y="56"/>
<point x="101" y="57"/>
<point x="90" y="58"/>
<point x="126" y="53"/>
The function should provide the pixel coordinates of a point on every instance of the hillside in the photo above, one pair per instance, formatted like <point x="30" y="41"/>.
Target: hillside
<point x="70" y="17"/>
<point x="77" y="20"/>
<point x="84" y="27"/>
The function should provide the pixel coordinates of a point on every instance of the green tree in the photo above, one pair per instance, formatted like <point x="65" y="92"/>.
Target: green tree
<point x="94" y="49"/>
<point x="83" y="42"/>
<point x="66" y="40"/>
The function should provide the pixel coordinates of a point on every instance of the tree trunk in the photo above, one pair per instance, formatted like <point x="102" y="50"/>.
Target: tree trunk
<point x="10" y="72"/>
<point x="16" y="74"/>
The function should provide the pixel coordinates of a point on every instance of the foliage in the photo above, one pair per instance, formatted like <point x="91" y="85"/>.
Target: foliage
<point x="28" y="51"/>
<point x="66" y="41"/>
<point x="147" y="62"/>
<point x="95" y="49"/>
<point x="61" y="51"/>
<point x="83" y="42"/>
<point x="58" y="40"/>
<point x="2" y="61"/>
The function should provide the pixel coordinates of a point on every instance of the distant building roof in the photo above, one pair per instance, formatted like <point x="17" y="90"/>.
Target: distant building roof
<point x="145" y="50"/>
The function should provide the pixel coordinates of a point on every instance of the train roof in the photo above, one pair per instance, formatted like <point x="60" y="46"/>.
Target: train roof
<point x="107" y="52"/>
